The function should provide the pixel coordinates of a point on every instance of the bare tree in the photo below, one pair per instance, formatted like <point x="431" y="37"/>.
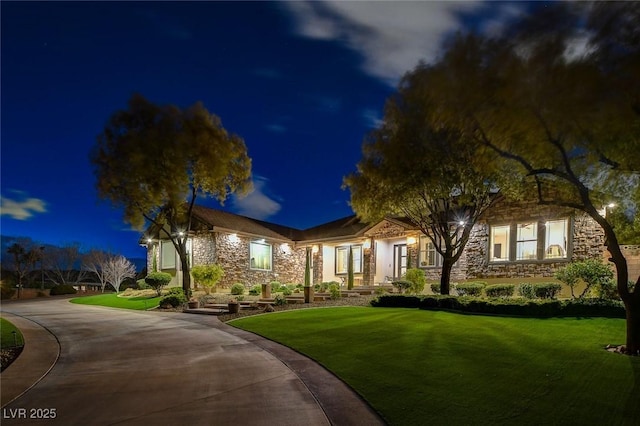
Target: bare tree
<point x="64" y="264"/>
<point x="95" y="261"/>
<point x="117" y="269"/>
<point x="23" y="260"/>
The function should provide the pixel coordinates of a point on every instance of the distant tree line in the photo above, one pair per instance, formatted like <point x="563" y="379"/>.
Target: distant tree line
<point x="28" y="264"/>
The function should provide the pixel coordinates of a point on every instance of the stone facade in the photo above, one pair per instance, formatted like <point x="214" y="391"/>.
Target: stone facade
<point x="587" y="241"/>
<point x="203" y="248"/>
<point x="232" y="253"/>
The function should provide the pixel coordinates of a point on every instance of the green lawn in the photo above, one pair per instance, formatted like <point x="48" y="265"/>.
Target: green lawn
<point x="113" y="301"/>
<point x="7" y="339"/>
<point x="426" y="367"/>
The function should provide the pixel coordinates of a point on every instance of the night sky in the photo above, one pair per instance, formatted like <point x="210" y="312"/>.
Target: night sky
<point x="301" y="83"/>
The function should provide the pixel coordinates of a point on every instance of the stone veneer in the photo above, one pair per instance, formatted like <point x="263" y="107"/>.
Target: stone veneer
<point x="233" y="255"/>
<point x="587" y="241"/>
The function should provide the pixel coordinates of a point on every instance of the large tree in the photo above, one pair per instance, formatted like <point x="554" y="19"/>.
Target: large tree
<point x="415" y="166"/>
<point x="559" y="103"/>
<point x="155" y="160"/>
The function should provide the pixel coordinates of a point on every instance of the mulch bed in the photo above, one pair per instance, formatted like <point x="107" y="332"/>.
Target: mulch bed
<point x="8" y="355"/>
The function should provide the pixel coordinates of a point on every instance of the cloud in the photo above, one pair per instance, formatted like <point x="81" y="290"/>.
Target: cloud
<point x="21" y="209"/>
<point x="371" y="118"/>
<point x="392" y="37"/>
<point x="256" y="204"/>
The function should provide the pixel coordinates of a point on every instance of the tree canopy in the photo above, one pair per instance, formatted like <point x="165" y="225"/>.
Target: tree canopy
<point x="155" y="160"/>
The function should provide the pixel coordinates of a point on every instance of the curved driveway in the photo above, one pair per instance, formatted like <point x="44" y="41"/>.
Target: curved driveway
<point x="128" y="367"/>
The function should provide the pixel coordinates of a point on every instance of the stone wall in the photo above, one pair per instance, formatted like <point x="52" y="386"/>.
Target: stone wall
<point x="632" y="255"/>
<point x="203" y="248"/>
<point x="232" y="253"/>
<point x="317" y="266"/>
<point x="587" y="241"/>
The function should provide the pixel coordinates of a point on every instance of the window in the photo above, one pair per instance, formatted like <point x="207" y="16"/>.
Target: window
<point x="429" y="257"/>
<point x="260" y="255"/>
<point x="499" y="244"/>
<point x="556" y="239"/>
<point x="342" y="256"/>
<point x="527" y="241"/>
<point x="167" y="255"/>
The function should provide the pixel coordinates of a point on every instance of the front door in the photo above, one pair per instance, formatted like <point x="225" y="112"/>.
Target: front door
<point x="399" y="261"/>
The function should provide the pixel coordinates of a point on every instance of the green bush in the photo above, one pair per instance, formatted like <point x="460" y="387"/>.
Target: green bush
<point x="279" y="299"/>
<point x="237" y="289"/>
<point x="500" y="290"/>
<point x="526" y="290"/>
<point x="176" y="291"/>
<point x="547" y="290"/>
<point x="286" y="290"/>
<point x="158" y="280"/>
<point x="402" y="285"/>
<point x="435" y="288"/>
<point x="63" y="289"/>
<point x="417" y="279"/>
<point x="6" y="291"/>
<point x="142" y="285"/>
<point x="594" y="273"/>
<point x="380" y="291"/>
<point x="256" y="290"/>
<point x="471" y="288"/>
<point x="512" y="307"/>
<point x="173" y="299"/>
<point x="334" y="291"/>
<point x="275" y="286"/>
<point x="207" y="275"/>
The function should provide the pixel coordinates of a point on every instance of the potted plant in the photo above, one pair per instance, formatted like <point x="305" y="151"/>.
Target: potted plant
<point x="193" y="303"/>
<point x="234" y="306"/>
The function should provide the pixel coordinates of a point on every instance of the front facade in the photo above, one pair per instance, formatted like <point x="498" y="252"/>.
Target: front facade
<point x="511" y="240"/>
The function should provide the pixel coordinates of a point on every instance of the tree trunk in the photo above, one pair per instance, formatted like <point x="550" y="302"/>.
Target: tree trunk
<point x="445" y="278"/>
<point x="632" y="305"/>
<point x="186" y="276"/>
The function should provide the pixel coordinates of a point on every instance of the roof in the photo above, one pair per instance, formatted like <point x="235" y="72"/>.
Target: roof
<point x="243" y="224"/>
<point x="347" y="227"/>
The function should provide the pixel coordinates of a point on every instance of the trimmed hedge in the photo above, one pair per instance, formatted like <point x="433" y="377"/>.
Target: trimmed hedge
<point x="547" y="290"/>
<point x="513" y="307"/>
<point x="471" y="288"/>
<point x="500" y="290"/>
<point x="402" y="285"/>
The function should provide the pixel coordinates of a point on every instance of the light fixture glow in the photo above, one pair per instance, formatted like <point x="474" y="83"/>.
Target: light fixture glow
<point x="233" y="238"/>
<point x="462" y="223"/>
<point x="314" y="249"/>
<point x="411" y="240"/>
<point x="610" y="205"/>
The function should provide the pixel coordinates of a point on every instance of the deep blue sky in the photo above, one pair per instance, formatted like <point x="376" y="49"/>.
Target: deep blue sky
<point x="301" y="83"/>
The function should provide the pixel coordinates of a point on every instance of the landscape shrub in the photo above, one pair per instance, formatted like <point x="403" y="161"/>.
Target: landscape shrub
<point x="286" y="290"/>
<point x="594" y="273"/>
<point x="396" y="301"/>
<point x="544" y="308"/>
<point x="237" y="289"/>
<point x="379" y="291"/>
<point x="275" y="286"/>
<point x="172" y="300"/>
<point x="435" y="288"/>
<point x="526" y="290"/>
<point x="417" y="279"/>
<point x="471" y="288"/>
<point x="500" y="290"/>
<point x="279" y="299"/>
<point x="334" y="291"/>
<point x="207" y="276"/>
<point x="6" y="291"/>
<point x="158" y="280"/>
<point x="142" y="285"/>
<point x="175" y="291"/>
<point x="402" y="285"/>
<point x="256" y="290"/>
<point x="547" y="290"/>
<point x="62" y="289"/>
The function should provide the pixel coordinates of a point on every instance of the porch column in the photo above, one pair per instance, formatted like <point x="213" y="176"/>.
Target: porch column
<point x="369" y="264"/>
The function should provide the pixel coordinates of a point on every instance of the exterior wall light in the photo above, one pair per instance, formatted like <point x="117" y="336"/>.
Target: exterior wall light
<point x="411" y="240"/>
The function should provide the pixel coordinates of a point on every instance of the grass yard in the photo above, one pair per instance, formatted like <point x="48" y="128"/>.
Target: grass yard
<point x="430" y="367"/>
<point x="6" y="336"/>
<point x="113" y="301"/>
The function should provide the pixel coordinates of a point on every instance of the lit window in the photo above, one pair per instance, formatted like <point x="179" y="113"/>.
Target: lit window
<point x="429" y="257"/>
<point x="342" y="256"/>
<point x="260" y="255"/>
<point x="499" y="247"/>
<point x="527" y="241"/>
<point x="556" y="239"/>
<point x="167" y="255"/>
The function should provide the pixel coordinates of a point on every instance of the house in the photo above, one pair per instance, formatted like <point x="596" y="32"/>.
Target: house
<point x="511" y="240"/>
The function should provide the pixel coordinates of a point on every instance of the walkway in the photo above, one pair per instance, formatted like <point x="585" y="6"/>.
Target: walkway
<point x="128" y="367"/>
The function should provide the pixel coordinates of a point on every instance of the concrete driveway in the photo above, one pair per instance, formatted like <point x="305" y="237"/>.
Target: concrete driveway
<point x="129" y="367"/>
